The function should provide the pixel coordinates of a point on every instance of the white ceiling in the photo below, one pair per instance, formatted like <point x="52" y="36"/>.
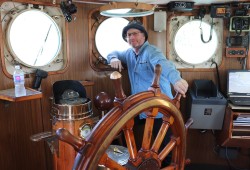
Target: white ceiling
<point x="197" y="2"/>
<point x="161" y="2"/>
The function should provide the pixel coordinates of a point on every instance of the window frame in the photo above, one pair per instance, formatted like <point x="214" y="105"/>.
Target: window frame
<point x="8" y="61"/>
<point x="96" y="61"/>
<point x="205" y="66"/>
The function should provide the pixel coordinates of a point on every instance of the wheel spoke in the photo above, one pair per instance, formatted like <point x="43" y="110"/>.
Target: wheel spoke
<point x="130" y="139"/>
<point x="167" y="149"/>
<point x="167" y="121"/>
<point x="147" y="136"/>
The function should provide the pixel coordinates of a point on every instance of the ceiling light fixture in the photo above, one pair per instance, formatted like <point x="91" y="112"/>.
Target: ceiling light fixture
<point x="127" y="9"/>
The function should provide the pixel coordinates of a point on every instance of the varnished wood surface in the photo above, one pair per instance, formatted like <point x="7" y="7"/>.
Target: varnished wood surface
<point x="9" y="95"/>
<point x="20" y="120"/>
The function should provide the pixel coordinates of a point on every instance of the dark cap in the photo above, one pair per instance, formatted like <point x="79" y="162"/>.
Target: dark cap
<point x="136" y="25"/>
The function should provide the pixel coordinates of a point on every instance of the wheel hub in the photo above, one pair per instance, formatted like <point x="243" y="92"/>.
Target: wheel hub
<point x="149" y="164"/>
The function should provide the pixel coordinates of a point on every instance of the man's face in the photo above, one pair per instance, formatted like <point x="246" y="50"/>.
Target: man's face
<point x="135" y="38"/>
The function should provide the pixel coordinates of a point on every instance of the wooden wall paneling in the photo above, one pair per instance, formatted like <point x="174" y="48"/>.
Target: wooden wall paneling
<point x="156" y="37"/>
<point x="18" y="121"/>
<point x="46" y="89"/>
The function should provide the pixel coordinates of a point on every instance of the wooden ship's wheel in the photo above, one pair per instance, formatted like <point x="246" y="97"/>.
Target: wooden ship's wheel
<point x="92" y="150"/>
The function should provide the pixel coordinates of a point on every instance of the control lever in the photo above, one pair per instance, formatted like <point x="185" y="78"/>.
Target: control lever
<point x="40" y="136"/>
<point x="50" y="138"/>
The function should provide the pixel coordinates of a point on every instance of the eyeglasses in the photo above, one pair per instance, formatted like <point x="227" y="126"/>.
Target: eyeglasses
<point x="132" y="33"/>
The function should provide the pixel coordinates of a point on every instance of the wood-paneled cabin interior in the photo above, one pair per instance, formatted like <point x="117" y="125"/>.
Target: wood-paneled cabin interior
<point x="19" y="120"/>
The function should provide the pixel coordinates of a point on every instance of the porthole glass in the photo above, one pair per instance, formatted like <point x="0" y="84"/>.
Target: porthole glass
<point x="108" y="36"/>
<point x="188" y="44"/>
<point x="105" y="36"/>
<point x="190" y="37"/>
<point x="34" y="38"/>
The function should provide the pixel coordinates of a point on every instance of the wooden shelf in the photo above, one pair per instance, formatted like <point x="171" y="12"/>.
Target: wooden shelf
<point x="9" y="95"/>
<point x="232" y="135"/>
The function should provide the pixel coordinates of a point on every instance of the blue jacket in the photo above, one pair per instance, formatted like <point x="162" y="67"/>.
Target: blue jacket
<point x="141" y="69"/>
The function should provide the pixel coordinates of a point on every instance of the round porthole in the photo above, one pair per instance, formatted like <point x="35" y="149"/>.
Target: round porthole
<point x="189" y="46"/>
<point x="108" y="36"/>
<point x="33" y="38"/>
